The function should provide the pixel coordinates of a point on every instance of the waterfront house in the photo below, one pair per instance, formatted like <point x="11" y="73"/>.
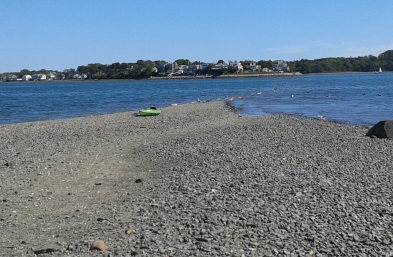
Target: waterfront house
<point x="60" y="76"/>
<point x="236" y="66"/>
<point x="51" y="76"/>
<point x="204" y="66"/>
<point x="252" y="67"/>
<point x="39" y="77"/>
<point x="181" y="69"/>
<point x="26" y="78"/>
<point x="281" y="66"/>
<point x="10" y="78"/>
<point x="220" y="66"/>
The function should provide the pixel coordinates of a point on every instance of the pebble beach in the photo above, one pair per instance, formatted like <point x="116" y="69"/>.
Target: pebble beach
<point x="197" y="180"/>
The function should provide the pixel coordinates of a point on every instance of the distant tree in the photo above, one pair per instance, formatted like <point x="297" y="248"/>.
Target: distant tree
<point x="386" y="56"/>
<point x="220" y="62"/>
<point x="24" y="72"/>
<point x="160" y="62"/>
<point x="317" y="68"/>
<point x="183" y="62"/>
<point x="69" y="73"/>
<point x="386" y="60"/>
<point x="303" y="66"/>
<point x="140" y="62"/>
<point x="265" y="64"/>
<point x="82" y="69"/>
<point x="218" y="72"/>
<point x="246" y="62"/>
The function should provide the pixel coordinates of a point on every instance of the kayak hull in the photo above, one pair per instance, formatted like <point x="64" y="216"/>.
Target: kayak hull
<point x="151" y="111"/>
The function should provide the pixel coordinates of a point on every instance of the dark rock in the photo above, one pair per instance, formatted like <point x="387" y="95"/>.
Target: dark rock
<point x="49" y="249"/>
<point x="200" y="239"/>
<point x="139" y="180"/>
<point x="383" y="129"/>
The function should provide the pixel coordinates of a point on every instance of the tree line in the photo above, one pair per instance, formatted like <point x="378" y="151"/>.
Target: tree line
<point x="352" y="64"/>
<point x="145" y="69"/>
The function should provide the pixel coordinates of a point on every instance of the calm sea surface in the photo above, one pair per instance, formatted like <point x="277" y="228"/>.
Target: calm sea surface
<point x="359" y="99"/>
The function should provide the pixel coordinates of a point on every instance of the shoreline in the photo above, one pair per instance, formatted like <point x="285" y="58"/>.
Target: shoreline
<point x="196" y="180"/>
<point x="228" y="76"/>
<point x="242" y="75"/>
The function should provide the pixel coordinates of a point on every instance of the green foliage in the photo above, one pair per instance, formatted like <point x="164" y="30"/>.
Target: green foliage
<point x="352" y="64"/>
<point x="386" y="60"/>
<point x="265" y="64"/>
<point x="183" y="62"/>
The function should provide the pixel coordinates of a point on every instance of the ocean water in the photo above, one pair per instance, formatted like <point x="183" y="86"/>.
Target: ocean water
<point x="358" y="99"/>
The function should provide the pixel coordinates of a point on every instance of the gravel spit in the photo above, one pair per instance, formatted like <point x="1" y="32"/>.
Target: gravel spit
<point x="197" y="180"/>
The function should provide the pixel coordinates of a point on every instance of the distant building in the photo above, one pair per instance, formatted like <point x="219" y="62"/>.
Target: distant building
<point x="154" y="70"/>
<point x="280" y="66"/>
<point x="170" y="67"/>
<point x="80" y="76"/>
<point x="10" y="77"/>
<point x="237" y="66"/>
<point x="220" y="66"/>
<point x="60" y="76"/>
<point x="252" y="67"/>
<point x="204" y="66"/>
<point x="26" y="78"/>
<point x="39" y="77"/>
<point x="181" y="69"/>
<point x="51" y="76"/>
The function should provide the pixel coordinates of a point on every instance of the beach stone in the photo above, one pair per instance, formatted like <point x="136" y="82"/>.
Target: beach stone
<point x="383" y="129"/>
<point x="99" y="245"/>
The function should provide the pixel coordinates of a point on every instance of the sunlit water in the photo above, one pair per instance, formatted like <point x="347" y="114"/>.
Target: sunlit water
<point x="359" y="99"/>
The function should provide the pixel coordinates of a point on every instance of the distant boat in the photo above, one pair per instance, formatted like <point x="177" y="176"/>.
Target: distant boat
<point x="379" y="71"/>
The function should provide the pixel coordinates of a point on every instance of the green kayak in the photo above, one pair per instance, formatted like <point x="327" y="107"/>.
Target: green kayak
<point x="151" y="111"/>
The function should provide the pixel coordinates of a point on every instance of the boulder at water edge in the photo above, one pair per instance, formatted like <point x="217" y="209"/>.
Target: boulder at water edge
<point x="383" y="129"/>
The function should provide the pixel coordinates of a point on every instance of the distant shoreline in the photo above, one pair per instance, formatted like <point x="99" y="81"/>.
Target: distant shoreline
<point x="244" y="75"/>
<point x="247" y="75"/>
<point x="228" y="76"/>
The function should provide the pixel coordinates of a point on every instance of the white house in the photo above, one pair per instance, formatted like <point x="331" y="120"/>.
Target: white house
<point x="181" y="69"/>
<point x="38" y="77"/>
<point x="236" y="66"/>
<point x="26" y="78"/>
<point x="219" y="66"/>
<point x="80" y="76"/>
<point x="51" y="76"/>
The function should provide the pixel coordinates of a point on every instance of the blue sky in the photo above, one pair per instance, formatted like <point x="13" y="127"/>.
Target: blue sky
<point x="49" y="34"/>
